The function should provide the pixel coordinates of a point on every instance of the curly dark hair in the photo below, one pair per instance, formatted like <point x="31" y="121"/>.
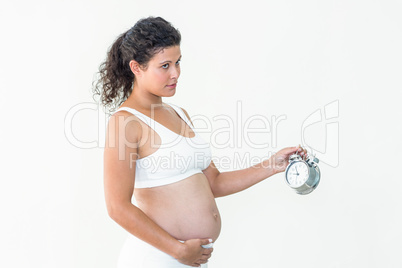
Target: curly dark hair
<point x="140" y="43"/>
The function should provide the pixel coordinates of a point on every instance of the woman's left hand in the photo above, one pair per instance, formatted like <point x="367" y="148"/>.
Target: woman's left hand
<point x="280" y="160"/>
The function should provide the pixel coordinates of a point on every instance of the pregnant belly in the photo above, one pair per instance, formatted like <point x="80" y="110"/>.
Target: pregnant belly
<point x="185" y="209"/>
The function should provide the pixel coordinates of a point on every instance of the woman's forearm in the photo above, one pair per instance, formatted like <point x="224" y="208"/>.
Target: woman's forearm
<point x="136" y="222"/>
<point x="231" y="182"/>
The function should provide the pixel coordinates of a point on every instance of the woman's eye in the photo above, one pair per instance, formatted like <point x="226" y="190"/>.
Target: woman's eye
<point x="178" y="62"/>
<point x="165" y="66"/>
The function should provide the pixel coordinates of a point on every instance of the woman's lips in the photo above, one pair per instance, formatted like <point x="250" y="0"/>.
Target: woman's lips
<point x="172" y="85"/>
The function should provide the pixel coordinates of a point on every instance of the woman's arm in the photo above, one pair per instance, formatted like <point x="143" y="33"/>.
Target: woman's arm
<point x="121" y="151"/>
<point x="231" y="182"/>
<point x="227" y="183"/>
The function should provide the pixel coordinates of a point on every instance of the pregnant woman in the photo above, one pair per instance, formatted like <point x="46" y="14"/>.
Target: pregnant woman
<point x="160" y="183"/>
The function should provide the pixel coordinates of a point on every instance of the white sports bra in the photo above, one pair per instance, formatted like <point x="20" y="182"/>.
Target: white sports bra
<point x="177" y="157"/>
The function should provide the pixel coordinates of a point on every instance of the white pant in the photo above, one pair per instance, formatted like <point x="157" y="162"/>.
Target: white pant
<point x="136" y="253"/>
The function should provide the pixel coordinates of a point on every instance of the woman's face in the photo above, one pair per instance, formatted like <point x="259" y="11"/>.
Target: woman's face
<point x="163" y="71"/>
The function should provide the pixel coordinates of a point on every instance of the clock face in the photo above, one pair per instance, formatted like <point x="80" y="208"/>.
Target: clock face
<point x="297" y="174"/>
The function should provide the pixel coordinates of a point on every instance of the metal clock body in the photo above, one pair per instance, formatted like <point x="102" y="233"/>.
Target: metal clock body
<point x="302" y="175"/>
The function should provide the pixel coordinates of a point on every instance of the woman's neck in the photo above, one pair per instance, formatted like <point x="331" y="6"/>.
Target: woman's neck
<point x="144" y="100"/>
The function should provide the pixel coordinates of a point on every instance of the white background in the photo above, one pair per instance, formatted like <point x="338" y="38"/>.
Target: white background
<point x="289" y="58"/>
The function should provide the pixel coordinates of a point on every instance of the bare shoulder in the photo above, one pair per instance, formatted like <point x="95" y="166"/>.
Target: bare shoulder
<point x="123" y="124"/>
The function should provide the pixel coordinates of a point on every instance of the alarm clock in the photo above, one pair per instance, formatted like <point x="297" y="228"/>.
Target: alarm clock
<point x="302" y="175"/>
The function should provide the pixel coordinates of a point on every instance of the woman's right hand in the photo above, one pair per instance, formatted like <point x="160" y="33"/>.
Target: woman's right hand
<point x="280" y="160"/>
<point x="193" y="254"/>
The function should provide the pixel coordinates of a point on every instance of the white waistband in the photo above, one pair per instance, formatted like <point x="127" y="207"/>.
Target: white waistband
<point x="210" y="245"/>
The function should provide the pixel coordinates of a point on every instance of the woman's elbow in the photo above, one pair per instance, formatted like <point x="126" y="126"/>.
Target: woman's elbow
<point x="114" y="209"/>
<point x="111" y="210"/>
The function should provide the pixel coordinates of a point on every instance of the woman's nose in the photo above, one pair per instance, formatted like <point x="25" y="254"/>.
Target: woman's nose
<point x="175" y="73"/>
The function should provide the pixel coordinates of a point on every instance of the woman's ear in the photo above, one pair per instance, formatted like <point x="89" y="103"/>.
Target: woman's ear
<point x="135" y="67"/>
